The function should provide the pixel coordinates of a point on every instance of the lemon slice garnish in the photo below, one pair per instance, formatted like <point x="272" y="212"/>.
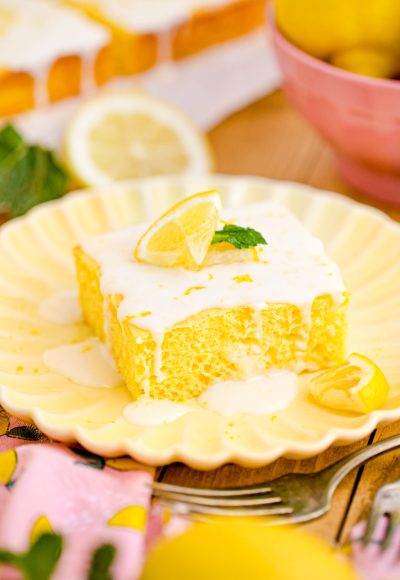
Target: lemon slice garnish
<point x="127" y="135"/>
<point x="358" y="385"/>
<point x="182" y="235"/>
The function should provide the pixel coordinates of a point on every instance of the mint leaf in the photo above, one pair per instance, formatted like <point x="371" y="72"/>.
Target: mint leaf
<point x="29" y="174"/>
<point x="238" y="236"/>
<point x="101" y="563"/>
<point x="10" y="140"/>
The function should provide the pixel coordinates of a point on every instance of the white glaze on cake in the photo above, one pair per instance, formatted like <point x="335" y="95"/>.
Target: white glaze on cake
<point x="293" y="269"/>
<point x="34" y="33"/>
<point x="150" y="15"/>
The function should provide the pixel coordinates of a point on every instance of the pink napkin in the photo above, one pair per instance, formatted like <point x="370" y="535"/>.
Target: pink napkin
<point x="49" y="487"/>
<point x="372" y="560"/>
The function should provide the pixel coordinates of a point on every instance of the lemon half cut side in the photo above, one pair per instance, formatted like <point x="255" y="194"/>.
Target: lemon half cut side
<point x="122" y="135"/>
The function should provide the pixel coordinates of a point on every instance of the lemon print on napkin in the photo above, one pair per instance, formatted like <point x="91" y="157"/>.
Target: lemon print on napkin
<point x="133" y="517"/>
<point x="40" y="527"/>
<point x="8" y="463"/>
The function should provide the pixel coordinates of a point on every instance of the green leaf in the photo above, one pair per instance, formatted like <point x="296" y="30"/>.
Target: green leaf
<point x="101" y="563"/>
<point x="29" y="174"/>
<point x="93" y="460"/>
<point x="10" y="141"/>
<point x="41" y="560"/>
<point x="7" y="557"/>
<point x="28" y="432"/>
<point x="238" y="236"/>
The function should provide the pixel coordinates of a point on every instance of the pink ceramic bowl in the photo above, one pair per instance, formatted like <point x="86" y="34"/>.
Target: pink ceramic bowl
<point x="359" y="116"/>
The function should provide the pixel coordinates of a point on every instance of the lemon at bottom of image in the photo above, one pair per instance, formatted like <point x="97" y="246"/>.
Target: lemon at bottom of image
<point x="241" y="549"/>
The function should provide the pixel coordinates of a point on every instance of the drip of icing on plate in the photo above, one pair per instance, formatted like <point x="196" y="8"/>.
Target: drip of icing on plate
<point x="62" y="308"/>
<point x="260" y="395"/>
<point x="87" y="363"/>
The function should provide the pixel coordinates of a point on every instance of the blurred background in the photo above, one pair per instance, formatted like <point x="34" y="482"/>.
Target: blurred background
<point x="298" y="90"/>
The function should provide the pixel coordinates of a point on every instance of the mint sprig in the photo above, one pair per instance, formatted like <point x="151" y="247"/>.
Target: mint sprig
<point x="238" y="236"/>
<point x="29" y="174"/>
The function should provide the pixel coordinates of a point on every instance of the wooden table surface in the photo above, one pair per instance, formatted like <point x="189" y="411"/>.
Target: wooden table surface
<point x="270" y="139"/>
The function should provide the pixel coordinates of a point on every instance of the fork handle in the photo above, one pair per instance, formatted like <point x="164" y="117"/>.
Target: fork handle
<point x="338" y="471"/>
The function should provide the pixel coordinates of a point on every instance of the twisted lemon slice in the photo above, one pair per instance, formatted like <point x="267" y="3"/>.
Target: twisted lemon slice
<point x="182" y="235"/>
<point x="359" y="385"/>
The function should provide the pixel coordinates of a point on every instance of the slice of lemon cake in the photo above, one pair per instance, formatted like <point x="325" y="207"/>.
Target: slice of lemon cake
<point x="48" y="52"/>
<point x="256" y="294"/>
<point x="148" y="31"/>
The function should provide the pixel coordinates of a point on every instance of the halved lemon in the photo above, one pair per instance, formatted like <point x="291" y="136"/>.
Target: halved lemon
<point x="359" y="385"/>
<point x="182" y="235"/>
<point x="124" y="135"/>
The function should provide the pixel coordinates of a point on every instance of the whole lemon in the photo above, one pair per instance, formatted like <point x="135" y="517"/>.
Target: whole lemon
<point x="241" y="550"/>
<point x="328" y="29"/>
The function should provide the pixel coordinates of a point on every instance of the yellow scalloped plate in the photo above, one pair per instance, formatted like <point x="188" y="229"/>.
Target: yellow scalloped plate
<point x="36" y="262"/>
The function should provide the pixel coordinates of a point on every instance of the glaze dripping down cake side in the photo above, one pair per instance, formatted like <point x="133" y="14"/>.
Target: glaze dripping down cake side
<point x="146" y="32"/>
<point x="47" y="53"/>
<point x="174" y="332"/>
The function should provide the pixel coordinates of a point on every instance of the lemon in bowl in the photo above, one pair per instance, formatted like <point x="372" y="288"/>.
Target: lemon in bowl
<point x="357" y="115"/>
<point x="362" y="36"/>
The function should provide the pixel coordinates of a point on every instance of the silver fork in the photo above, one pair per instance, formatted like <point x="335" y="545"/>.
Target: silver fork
<point x="386" y="503"/>
<point x="291" y="498"/>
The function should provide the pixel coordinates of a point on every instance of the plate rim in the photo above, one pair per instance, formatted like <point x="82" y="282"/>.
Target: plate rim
<point x="174" y="453"/>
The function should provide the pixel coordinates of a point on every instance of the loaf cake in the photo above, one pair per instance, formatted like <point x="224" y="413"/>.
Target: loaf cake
<point x="47" y="53"/>
<point x="55" y="49"/>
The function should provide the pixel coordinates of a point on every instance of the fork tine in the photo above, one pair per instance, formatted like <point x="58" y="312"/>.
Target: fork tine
<point x="394" y="521"/>
<point x="219" y="501"/>
<point x="160" y="487"/>
<point x="231" y="512"/>
<point x="373" y="519"/>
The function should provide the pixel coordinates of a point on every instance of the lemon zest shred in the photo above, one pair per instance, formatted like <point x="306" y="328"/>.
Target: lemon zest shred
<point x="189" y="290"/>
<point x="244" y="278"/>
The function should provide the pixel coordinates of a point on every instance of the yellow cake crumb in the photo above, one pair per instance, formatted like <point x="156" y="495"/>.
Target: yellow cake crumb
<point x="244" y="278"/>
